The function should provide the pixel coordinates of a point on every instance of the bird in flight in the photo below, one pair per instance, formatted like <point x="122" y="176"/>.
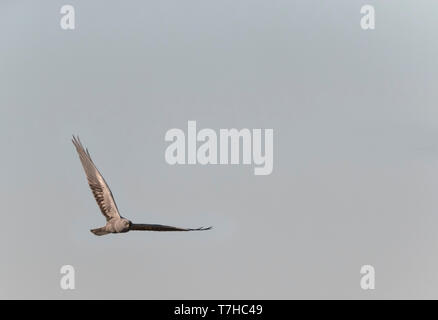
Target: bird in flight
<point x="115" y="223"/>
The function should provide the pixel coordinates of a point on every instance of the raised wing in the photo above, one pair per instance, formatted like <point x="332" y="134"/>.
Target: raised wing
<point x="100" y="189"/>
<point x="159" y="227"/>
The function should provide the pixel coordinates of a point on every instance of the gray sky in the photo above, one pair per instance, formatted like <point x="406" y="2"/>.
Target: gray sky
<point x="355" y="148"/>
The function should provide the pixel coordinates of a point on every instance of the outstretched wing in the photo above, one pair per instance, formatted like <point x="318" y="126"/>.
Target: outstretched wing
<point x="100" y="189"/>
<point x="159" y="227"/>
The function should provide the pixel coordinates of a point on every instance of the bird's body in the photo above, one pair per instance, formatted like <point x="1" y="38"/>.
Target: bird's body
<point x="105" y="200"/>
<point x="118" y="225"/>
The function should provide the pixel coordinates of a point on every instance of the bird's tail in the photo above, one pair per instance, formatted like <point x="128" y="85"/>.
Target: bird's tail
<point x="99" y="231"/>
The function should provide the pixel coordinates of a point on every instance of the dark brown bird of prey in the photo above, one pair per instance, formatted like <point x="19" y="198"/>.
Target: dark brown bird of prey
<point x="115" y="223"/>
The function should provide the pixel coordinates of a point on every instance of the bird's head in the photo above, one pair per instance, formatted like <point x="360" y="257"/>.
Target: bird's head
<point x="127" y="223"/>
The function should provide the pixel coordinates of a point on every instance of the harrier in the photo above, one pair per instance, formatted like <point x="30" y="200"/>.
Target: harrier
<point x="115" y="223"/>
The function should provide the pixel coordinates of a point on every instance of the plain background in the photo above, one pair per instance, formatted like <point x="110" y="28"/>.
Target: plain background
<point x="355" y="173"/>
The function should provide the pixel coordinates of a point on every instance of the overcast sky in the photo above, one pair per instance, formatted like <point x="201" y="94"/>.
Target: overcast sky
<point x="355" y="123"/>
